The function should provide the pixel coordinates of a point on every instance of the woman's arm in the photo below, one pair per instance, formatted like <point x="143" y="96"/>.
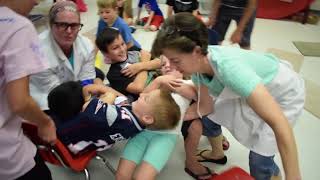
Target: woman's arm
<point x="267" y="108"/>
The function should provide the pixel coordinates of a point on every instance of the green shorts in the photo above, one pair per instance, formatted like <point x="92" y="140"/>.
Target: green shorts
<point x="152" y="147"/>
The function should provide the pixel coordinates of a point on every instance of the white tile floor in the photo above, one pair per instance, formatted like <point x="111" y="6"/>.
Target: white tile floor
<point x="267" y="34"/>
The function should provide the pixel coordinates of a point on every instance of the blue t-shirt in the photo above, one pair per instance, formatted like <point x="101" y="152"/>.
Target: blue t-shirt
<point x="238" y="69"/>
<point x="151" y="5"/>
<point x="122" y="26"/>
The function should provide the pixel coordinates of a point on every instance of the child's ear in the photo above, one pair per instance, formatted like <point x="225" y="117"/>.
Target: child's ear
<point x="147" y="119"/>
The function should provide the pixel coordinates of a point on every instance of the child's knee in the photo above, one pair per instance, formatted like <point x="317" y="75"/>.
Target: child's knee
<point x="196" y="126"/>
<point x="153" y="28"/>
<point x="122" y="175"/>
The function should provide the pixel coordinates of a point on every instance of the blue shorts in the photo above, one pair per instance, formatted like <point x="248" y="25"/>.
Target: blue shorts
<point x="225" y="15"/>
<point x="210" y="128"/>
<point x="262" y="167"/>
<point x="152" y="147"/>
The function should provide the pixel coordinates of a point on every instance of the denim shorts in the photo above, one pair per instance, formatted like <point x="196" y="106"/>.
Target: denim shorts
<point x="262" y="167"/>
<point x="210" y="128"/>
<point x="225" y="15"/>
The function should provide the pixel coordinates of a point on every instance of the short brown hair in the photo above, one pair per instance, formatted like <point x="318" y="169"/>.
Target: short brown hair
<point x="166" y="112"/>
<point x="181" y="32"/>
<point x="107" y="4"/>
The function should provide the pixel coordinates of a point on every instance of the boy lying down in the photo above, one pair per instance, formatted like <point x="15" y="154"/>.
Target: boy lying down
<point x="101" y="123"/>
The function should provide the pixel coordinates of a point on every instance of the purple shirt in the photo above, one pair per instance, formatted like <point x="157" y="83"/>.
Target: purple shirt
<point x="20" y="56"/>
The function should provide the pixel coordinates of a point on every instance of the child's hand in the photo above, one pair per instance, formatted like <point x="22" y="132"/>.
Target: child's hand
<point x="131" y="70"/>
<point x="170" y="82"/>
<point x="108" y="97"/>
<point x="146" y="27"/>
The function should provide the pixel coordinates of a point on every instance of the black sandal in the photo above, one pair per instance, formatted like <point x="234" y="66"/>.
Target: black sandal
<point x="216" y="161"/>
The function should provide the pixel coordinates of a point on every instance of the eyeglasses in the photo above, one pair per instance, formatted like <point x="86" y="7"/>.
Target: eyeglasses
<point x="64" y="26"/>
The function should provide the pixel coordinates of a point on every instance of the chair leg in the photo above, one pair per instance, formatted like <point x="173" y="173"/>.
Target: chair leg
<point x="86" y="173"/>
<point x="106" y="163"/>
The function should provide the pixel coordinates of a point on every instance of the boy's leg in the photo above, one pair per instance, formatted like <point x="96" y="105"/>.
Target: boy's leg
<point x="263" y="167"/>
<point x="131" y="156"/>
<point x="156" y="23"/>
<point x="145" y="171"/>
<point x="245" y="42"/>
<point x="125" y="169"/>
<point x="213" y="132"/>
<point x="192" y="131"/>
<point x="155" y="157"/>
<point x="222" y="24"/>
<point x="154" y="154"/>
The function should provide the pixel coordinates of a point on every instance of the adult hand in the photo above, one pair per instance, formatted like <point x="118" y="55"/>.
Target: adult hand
<point x="131" y="70"/>
<point x="236" y="37"/>
<point x="47" y="132"/>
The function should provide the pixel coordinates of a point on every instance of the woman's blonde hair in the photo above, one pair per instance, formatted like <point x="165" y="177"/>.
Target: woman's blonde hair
<point x="181" y="32"/>
<point x="166" y="112"/>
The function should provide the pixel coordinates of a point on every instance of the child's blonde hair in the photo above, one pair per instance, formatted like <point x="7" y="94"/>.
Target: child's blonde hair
<point x="107" y="4"/>
<point x="166" y="112"/>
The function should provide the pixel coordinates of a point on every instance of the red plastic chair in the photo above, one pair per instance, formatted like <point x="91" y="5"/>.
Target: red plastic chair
<point x="60" y="155"/>
<point x="234" y="173"/>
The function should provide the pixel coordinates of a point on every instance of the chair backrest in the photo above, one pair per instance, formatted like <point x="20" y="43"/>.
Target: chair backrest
<point x="59" y="153"/>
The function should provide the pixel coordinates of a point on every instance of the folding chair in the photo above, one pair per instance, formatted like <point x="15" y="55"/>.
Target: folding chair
<point x="60" y="155"/>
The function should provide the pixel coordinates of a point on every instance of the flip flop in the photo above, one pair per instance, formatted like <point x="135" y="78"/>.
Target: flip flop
<point x="216" y="161"/>
<point x="198" y="176"/>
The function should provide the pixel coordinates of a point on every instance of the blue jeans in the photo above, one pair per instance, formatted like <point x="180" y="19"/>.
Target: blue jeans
<point x="225" y="15"/>
<point x="262" y="167"/>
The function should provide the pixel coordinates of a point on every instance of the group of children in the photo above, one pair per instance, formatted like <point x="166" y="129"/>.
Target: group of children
<point x="149" y="109"/>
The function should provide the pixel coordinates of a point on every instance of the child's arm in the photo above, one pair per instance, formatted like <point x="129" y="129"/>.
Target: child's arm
<point x="138" y="15"/>
<point x="205" y="105"/>
<point x="146" y="26"/>
<point x="145" y="64"/>
<point x="97" y="89"/>
<point x="108" y="97"/>
<point x="267" y="108"/>
<point x="137" y="86"/>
